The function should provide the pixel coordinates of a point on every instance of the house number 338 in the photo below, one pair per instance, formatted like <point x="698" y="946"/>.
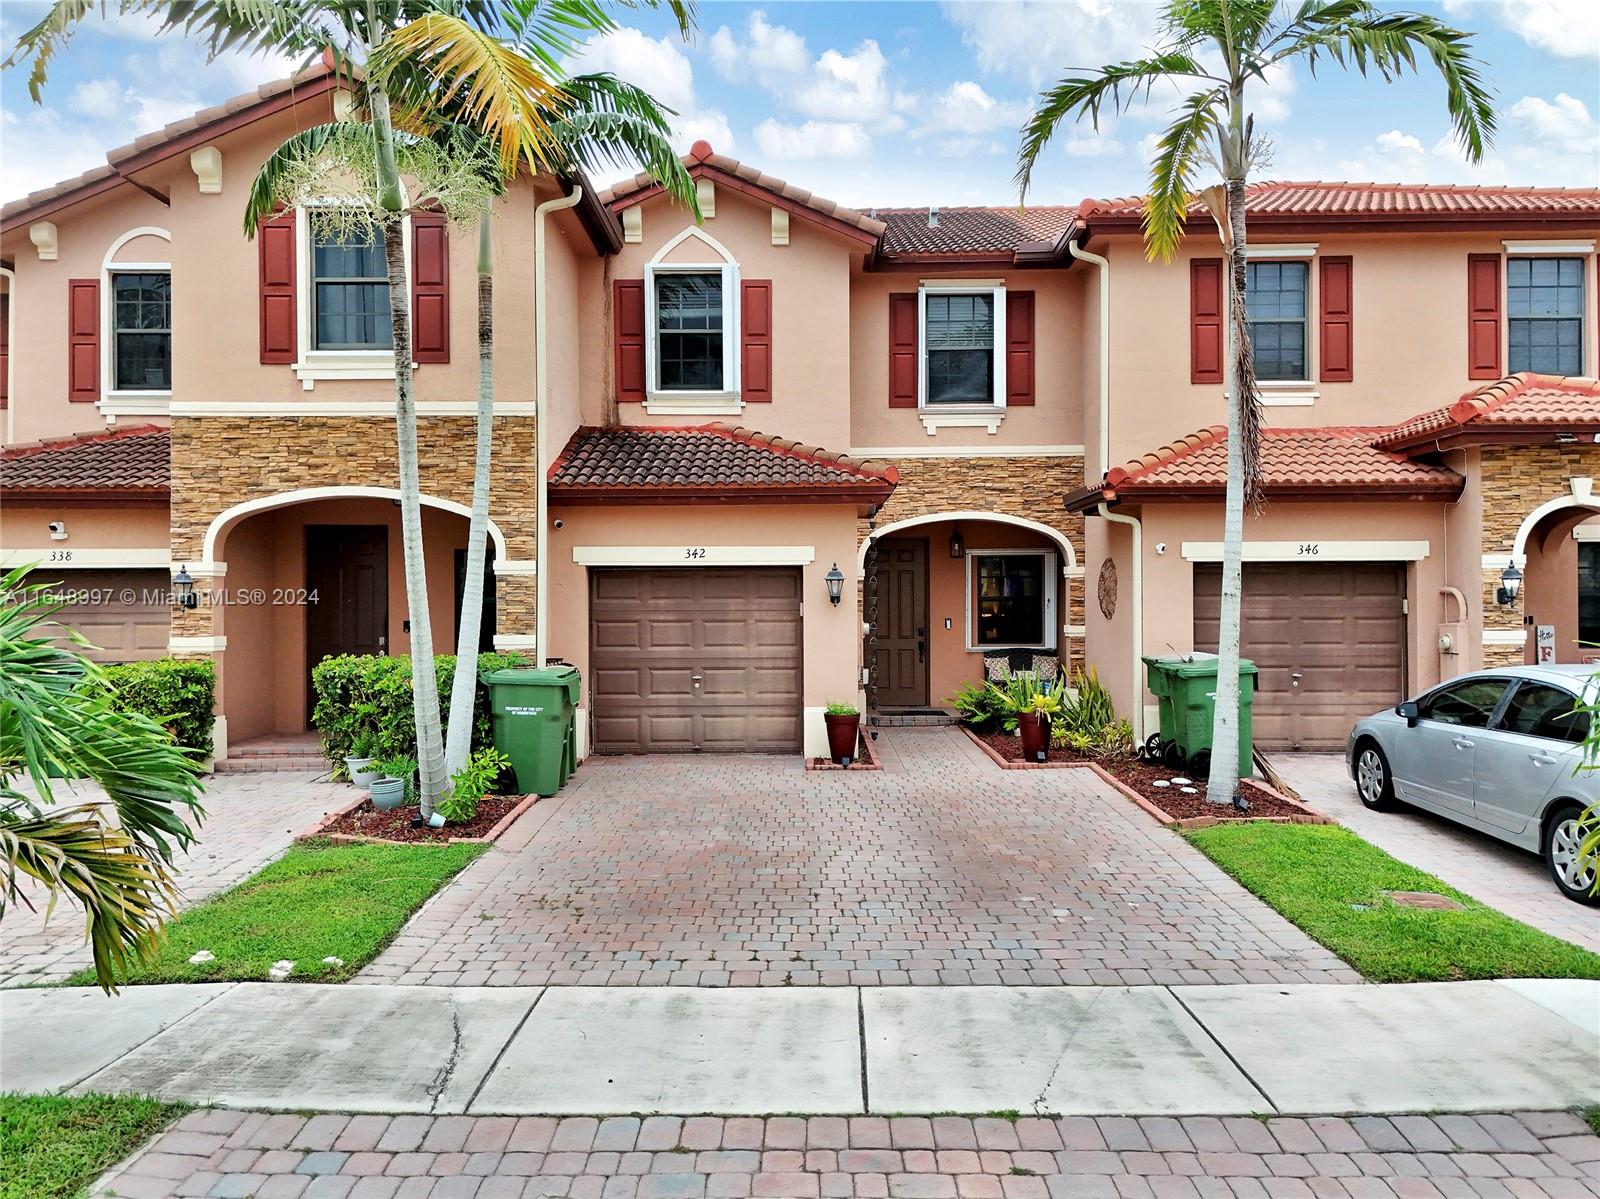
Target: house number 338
<point x="695" y="551"/>
<point x="1309" y="549"/>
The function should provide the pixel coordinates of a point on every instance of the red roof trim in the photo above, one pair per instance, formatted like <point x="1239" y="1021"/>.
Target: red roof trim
<point x="1482" y="414"/>
<point x="51" y="444"/>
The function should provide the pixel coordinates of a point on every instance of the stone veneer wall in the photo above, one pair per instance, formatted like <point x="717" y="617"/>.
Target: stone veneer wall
<point x="1030" y="488"/>
<point x="218" y="462"/>
<point x="1515" y="481"/>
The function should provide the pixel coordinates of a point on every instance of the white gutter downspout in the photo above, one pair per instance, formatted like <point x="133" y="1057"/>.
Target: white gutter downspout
<point x="541" y="399"/>
<point x="1102" y="273"/>
<point x="1136" y="717"/>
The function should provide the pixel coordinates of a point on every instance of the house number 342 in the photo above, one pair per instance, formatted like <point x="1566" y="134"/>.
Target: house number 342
<point x="695" y="551"/>
<point x="1309" y="549"/>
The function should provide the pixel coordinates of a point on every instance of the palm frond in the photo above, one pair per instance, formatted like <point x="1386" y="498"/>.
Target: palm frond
<point x="45" y="40"/>
<point x="636" y="132"/>
<point x="1179" y="154"/>
<point x="268" y="190"/>
<point x="1116" y="86"/>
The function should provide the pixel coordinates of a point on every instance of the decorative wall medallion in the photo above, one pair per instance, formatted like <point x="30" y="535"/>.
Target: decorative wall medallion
<point x="1108" y="589"/>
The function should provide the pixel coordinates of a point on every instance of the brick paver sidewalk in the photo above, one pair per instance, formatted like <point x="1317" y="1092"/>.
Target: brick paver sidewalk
<point x="250" y="820"/>
<point x="749" y="871"/>
<point x="234" y="1155"/>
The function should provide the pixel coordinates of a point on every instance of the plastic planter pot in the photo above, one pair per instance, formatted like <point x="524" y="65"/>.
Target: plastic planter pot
<point x="843" y="733"/>
<point x="1035" y="730"/>
<point x="387" y="793"/>
<point x="361" y="772"/>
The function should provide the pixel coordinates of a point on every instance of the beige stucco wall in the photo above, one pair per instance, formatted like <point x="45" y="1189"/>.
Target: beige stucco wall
<point x="831" y="637"/>
<point x="1409" y="311"/>
<point x="89" y="527"/>
<point x="1064" y="366"/>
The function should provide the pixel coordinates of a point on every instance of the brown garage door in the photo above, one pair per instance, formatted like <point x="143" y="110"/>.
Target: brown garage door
<point x="1329" y="641"/>
<point x="123" y="613"/>
<point x="701" y="658"/>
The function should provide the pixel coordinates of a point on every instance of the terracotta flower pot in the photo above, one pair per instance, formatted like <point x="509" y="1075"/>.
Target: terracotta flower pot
<point x="1035" y="730"/>
<point x="843" y="733"/>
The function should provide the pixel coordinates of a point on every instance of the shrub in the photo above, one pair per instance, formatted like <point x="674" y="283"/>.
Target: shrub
<point x="177" y="693"/>
<point x="470" y="784"/>
<point x="369" y="698"/>
<point x="977" y="705"/>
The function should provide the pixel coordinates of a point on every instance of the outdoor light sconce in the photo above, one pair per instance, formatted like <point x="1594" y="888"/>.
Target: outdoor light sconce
<point x="957" y="546"/>
<point x="835" y="580"/>
<point x="1510" y="584"/>
<point x="185" y="584"/>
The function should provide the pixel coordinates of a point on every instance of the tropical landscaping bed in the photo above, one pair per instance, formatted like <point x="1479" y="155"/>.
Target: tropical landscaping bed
<point x="56" y="1145"/>
<point x="326" y="909"/>
<point x="1354" y="898"/>
<point x="361" y="821"/>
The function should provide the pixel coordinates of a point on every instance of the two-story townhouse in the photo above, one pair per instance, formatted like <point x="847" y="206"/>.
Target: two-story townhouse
<point x="1404" y="473"/>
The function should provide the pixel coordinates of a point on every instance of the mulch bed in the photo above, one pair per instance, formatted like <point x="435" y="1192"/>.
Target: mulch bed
<point x="866" y="758"/>
<point x="363" y="821"/>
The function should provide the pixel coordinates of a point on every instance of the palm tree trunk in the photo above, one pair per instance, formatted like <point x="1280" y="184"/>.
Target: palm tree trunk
<point x="424" y="681"/>
<point x="1223" y="781"/>
<point x="464" y="687"/>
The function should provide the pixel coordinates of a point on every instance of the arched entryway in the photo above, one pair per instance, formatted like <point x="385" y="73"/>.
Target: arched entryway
<point x="1558" y="550"/>
<point x="944" y="591"/>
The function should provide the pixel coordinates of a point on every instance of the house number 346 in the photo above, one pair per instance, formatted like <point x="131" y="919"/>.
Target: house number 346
<point x="1309" y="549"/>
<point x="695" y="551"/>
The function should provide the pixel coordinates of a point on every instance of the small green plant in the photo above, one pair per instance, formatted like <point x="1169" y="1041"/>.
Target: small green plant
<point x="365" y="745"/>
<point x="470" y="784"/>
<point x="976" y="704"/>
<point x="838" y="709"/>
<point x="399" y="766"/>
<point x="1024" y="694"/>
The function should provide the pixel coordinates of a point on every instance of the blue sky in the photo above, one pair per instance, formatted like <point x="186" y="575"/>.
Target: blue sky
<point x="913" y="102"/>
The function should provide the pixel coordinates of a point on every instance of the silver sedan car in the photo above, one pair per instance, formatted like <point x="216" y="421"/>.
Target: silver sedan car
<point x="1496" y="750"/>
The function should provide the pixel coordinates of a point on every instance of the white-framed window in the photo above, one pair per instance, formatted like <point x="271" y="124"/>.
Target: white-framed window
<point x="141" y="331"/>
<point x="961" y="328"/>
<point x="691" y="319"/>
<point x="1277" y="303"/>
<point x="1011" y="599"/>
<point x="1544" y="314"/>
<point x="342" y="302"/>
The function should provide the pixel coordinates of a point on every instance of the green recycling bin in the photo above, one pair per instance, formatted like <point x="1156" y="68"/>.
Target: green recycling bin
<point x="532" y="715"/>
<point x="1185" y="687"/>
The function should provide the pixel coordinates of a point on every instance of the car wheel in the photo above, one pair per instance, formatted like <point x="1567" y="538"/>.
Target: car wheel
<point x="1374" y="783"/>
<point x="1563" y="833"/>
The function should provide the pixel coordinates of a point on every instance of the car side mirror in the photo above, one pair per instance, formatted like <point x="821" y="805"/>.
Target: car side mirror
<point x="1409" y="712"/>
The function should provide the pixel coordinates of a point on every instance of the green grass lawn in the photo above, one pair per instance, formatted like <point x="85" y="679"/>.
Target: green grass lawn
<point x="1330" y="882"/>
<point x="319" y="900"/>
<point x="56" y="1145"/>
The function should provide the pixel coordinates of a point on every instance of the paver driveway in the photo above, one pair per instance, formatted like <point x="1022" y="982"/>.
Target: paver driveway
<point x="942" y="869"/>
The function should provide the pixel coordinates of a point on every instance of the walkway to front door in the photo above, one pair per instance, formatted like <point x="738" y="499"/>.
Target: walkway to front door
<point x="747" y="871"/>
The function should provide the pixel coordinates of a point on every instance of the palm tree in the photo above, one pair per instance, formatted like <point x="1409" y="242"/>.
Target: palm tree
<point x="1217" y="47"/>
<point x="499" y="87"/>
<point x="59" y="720"/>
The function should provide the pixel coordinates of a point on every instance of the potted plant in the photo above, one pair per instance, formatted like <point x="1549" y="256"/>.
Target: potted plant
<point x="1033" y="708"/>
<point x="392" y="787"/>
<point x="359" y="764"/>
<point x="844" y="731"/>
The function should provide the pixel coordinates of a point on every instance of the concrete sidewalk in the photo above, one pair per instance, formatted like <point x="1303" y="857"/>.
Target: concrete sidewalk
<point x="1212" y="1050"/>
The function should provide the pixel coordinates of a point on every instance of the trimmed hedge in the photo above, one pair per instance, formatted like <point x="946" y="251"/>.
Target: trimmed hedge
<point x="179" y="693"/>
<point x="371" y="695"/>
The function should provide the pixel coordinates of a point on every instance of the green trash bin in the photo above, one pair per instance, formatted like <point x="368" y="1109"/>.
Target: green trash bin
<point x="532" y="714"/>
<point x="1185" y="688"/>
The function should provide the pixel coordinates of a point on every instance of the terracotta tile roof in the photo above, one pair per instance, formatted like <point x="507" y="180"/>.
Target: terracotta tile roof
<point x="1294" y="462"/>
<point x="973" y="230"/>
<point x="1313" y="200"/>
<point x="702" y="160"/>
<point x="712" y="461"/>
<point x="120" y="462"/>
<point x="1516" y="404"/>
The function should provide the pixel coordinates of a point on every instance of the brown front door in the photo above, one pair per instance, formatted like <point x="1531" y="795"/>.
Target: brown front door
<point x="901" y="662"/>
<point x="1328" y="640"/>
<point x="347" y="570"/>
<point x="695" y="659"/>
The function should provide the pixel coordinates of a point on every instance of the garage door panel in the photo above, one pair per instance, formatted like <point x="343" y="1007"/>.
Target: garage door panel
<point x="123" y="613"/>
<point x="738" y="629"/>
<point x="1339" y="626"/>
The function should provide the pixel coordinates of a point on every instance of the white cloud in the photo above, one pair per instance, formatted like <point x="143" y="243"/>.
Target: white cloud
<point x="1394" y="140"/>
<point x="966" y="109"/>
<point x="709" y="126"/>
<point x="1270" y="98"/>
<point x="1565" y="28"/>
<point x="767" y="47"/>
<point x="1092" y="145"/>
<point x="655" y="64"/>
<point x="847" y="87"/>
<point x="1564" y="122"/>
<point x="1037" y="41"/>
<point x="97" y="98"/>
<point x="812" y="139"/>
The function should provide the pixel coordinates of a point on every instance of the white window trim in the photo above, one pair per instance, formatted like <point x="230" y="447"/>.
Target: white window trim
<point x="962" y="416"/>
<point x="1533" y="249"/>
<point x="332" y="364"/>
<point x="1293" y="393"/>
<point x="1051" y="587"/>
<point x="729" y="399"/>
<point x="1306" y="250"/>
<point x="1581" y="250"/>
<point x="116" y="402"/>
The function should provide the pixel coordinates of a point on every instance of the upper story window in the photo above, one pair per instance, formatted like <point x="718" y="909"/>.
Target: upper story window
<point x="141" y="330"/>
<point x="690" y="331"/>
<point x="1275" y="309"/>
<point x="958" y="338"/>
<point x="1544" y="311"/>
<point x="350" y="289"/>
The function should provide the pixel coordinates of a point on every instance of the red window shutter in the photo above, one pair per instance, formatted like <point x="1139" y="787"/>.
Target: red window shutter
<point x="1019" y="348"/>
<point x="1205" y="320"/>
<point x="83" y="340"/>
<point x="1483" y="316"/>
<point x="1334" y="312"/>
<point x="277" y="289"/>
<point x="903" y="349"/>
<point x="5" y="349"/>
<point x="755" y="331"/>
<point x="628" y="316"/>
<point x="430" y="288"/>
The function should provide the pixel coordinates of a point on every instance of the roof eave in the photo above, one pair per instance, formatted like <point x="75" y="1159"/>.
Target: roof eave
<point x="866" y="493"/>
<point x="1406" y="222"/>
<point x="1442" y="490"/>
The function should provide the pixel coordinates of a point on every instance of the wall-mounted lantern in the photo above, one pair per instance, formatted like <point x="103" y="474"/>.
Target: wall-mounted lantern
<point x="184" y="585"/>
<point x="835" y="580"/>
<point x="957" y="546"/>
<point x="1510" y="585"/>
